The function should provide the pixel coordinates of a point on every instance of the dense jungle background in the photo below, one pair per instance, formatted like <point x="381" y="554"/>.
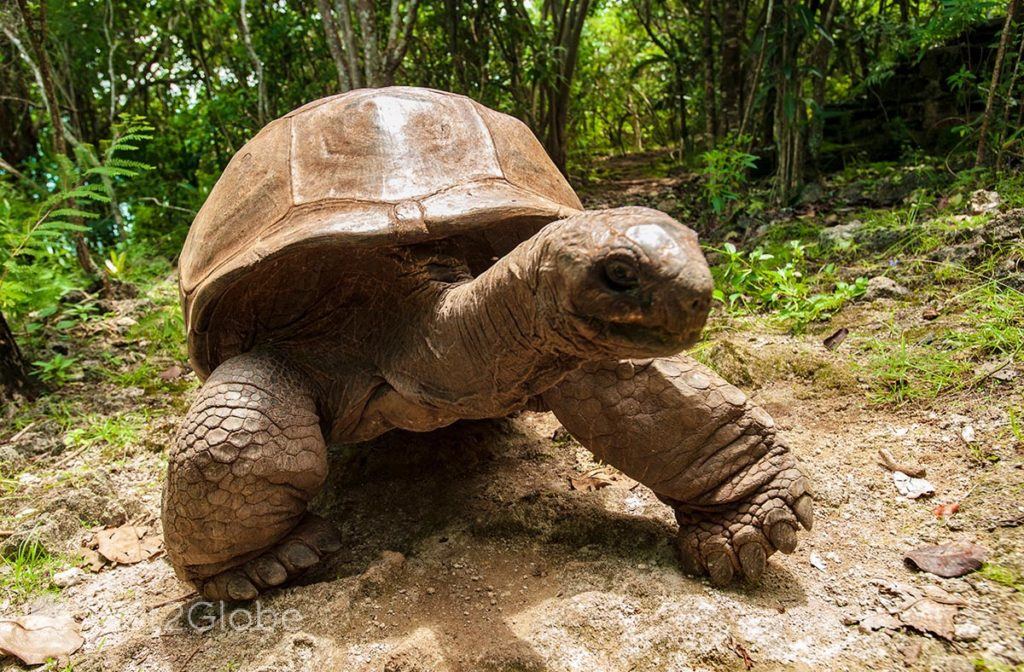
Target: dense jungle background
<point x="856" y="172"/>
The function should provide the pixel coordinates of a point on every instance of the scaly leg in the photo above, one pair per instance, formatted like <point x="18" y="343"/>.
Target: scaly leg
<point x="702" y="447"/>
<point x="247" y="460"/>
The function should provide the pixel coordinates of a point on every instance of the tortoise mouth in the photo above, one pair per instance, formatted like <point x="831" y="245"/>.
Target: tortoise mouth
<point x="635" y="339"/>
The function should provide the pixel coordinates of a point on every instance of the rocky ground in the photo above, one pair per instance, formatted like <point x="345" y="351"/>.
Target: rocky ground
<point x="485" y="547"/>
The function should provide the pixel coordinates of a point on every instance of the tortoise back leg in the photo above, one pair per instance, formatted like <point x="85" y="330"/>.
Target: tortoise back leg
<point x="702" y="447"/>
<point x="247" y="460"/>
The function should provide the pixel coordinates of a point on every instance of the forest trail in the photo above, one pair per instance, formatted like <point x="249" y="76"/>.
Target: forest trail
<point x="472" y="549"/>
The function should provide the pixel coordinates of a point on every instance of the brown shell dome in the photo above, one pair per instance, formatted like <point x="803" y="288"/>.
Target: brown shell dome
<point x="368" y="168"/>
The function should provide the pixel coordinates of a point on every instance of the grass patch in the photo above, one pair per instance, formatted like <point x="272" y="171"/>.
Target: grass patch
<point x="918" y="364"/>
<point x="161" y="332"/>
<point x="1003" y="575"/>
<point x="117" y="434"/>
<point x="28" y="571"/>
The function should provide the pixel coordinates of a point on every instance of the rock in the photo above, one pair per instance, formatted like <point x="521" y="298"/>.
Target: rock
<point x="841" y="235"/>
<point x="9" y="458"/>
<point x="928" y="615"/>
<point x="881" y="287"/>
<point x="912" y="488"/>
<point x="983" y="202"/>
<point x="68" y="577"/>
<point x="811" y="193"/>
<point x="57" y="532"/>
<point x="377" y="576"/>
<point x="668" y="205"/>
<point x="966" y="632"/>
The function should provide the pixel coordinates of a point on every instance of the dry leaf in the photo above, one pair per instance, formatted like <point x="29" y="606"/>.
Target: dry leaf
<point x="836" y="339"/>
<point x="595" y="479"/>
<point x="91" y="559"/>
<point x="927" y="615"/>
<point x="948" y="560"/>
<point x="171" y="372"/>
<point x="35" y="638"/>
<point x="588" y="483"/>
<point x="929" y="314"/>
<point x="127" y="544"/>
<point x="879" y="621"/>
<point x="943" y="597"/>
<point x="944" y="510"/>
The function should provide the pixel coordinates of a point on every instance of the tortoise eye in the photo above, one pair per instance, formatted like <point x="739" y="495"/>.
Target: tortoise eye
<point x="619" y="275"/>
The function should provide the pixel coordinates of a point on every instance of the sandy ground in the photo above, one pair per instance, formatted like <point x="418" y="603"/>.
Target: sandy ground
<point x="467" y="549"/>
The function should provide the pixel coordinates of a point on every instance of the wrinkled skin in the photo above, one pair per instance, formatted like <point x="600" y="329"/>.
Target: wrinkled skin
<point x="587" y="318"/>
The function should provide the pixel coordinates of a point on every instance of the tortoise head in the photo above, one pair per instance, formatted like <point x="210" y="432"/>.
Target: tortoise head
<point x="631" y="281"/>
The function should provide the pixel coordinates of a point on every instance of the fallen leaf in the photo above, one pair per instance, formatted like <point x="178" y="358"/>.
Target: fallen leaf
<point x="742" y="652"/>
<point x="879" y="621"/>
<point x="588" y="483"/>
<point x="1005" y="375"/>
<point x="35" y="638"/>
<point x="836" y="339"/>
<point x="948" y="560"/>
<point x="912" y="488"/>
<point x="944" y="510"/>
<point x="927" y="615"/>
<point x="127" y="544"/>
<point x="171" y="372"/>
<point x="943" y="597"/>
<point x="91" y="559"/>
<point x="911" y="652"/>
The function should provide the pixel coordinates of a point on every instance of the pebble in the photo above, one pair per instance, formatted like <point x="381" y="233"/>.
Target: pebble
<point x="68" y="577"/>
<point x="966" y="632"/>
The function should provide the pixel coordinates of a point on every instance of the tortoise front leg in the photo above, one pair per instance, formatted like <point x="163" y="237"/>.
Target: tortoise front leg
<point x="702" y="447"/>
<point x="247" y="460"/>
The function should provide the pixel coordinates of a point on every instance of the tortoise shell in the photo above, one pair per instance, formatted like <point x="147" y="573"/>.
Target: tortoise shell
<point x="365" y="169"/>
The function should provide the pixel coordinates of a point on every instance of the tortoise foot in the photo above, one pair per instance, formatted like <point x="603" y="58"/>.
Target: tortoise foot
<point x="303" y="548"/>
<point x="735" y="539"/>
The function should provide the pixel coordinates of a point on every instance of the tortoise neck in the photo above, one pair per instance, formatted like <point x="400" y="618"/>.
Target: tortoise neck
<point x="485" y="346"/>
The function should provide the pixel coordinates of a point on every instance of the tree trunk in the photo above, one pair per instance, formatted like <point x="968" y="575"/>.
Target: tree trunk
<point x="14" y="378"/>
<point x="708" y="52"/>
<point x="789" y="108"/>
<point x="732" y="74"/>
<point x="1011" y="86"/>
<point x="334" y="44"/>
<point x="819" y="62"/>
<point x="35" y="27"/>
<point x="568" y="17"/>
<point x="755" y="84"/>
<point x="997" y="72"/>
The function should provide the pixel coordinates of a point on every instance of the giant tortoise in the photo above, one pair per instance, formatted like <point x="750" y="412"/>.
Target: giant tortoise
<point x="403" y="258"/>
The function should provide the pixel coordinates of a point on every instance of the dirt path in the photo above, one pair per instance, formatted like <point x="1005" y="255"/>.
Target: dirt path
<point x="468" y="549"/>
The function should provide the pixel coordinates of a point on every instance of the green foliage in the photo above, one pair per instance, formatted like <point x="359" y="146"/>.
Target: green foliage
<point x="725" y="172"/>
<point x="37" y="231"/>
<point x="780" y="283"/>
<point x="915" y="366"/>
<point x="57" y="370"/>
<point x="1003" y="575"/>
<point x="28" y="571"/>
<point x="116" y="434"/>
